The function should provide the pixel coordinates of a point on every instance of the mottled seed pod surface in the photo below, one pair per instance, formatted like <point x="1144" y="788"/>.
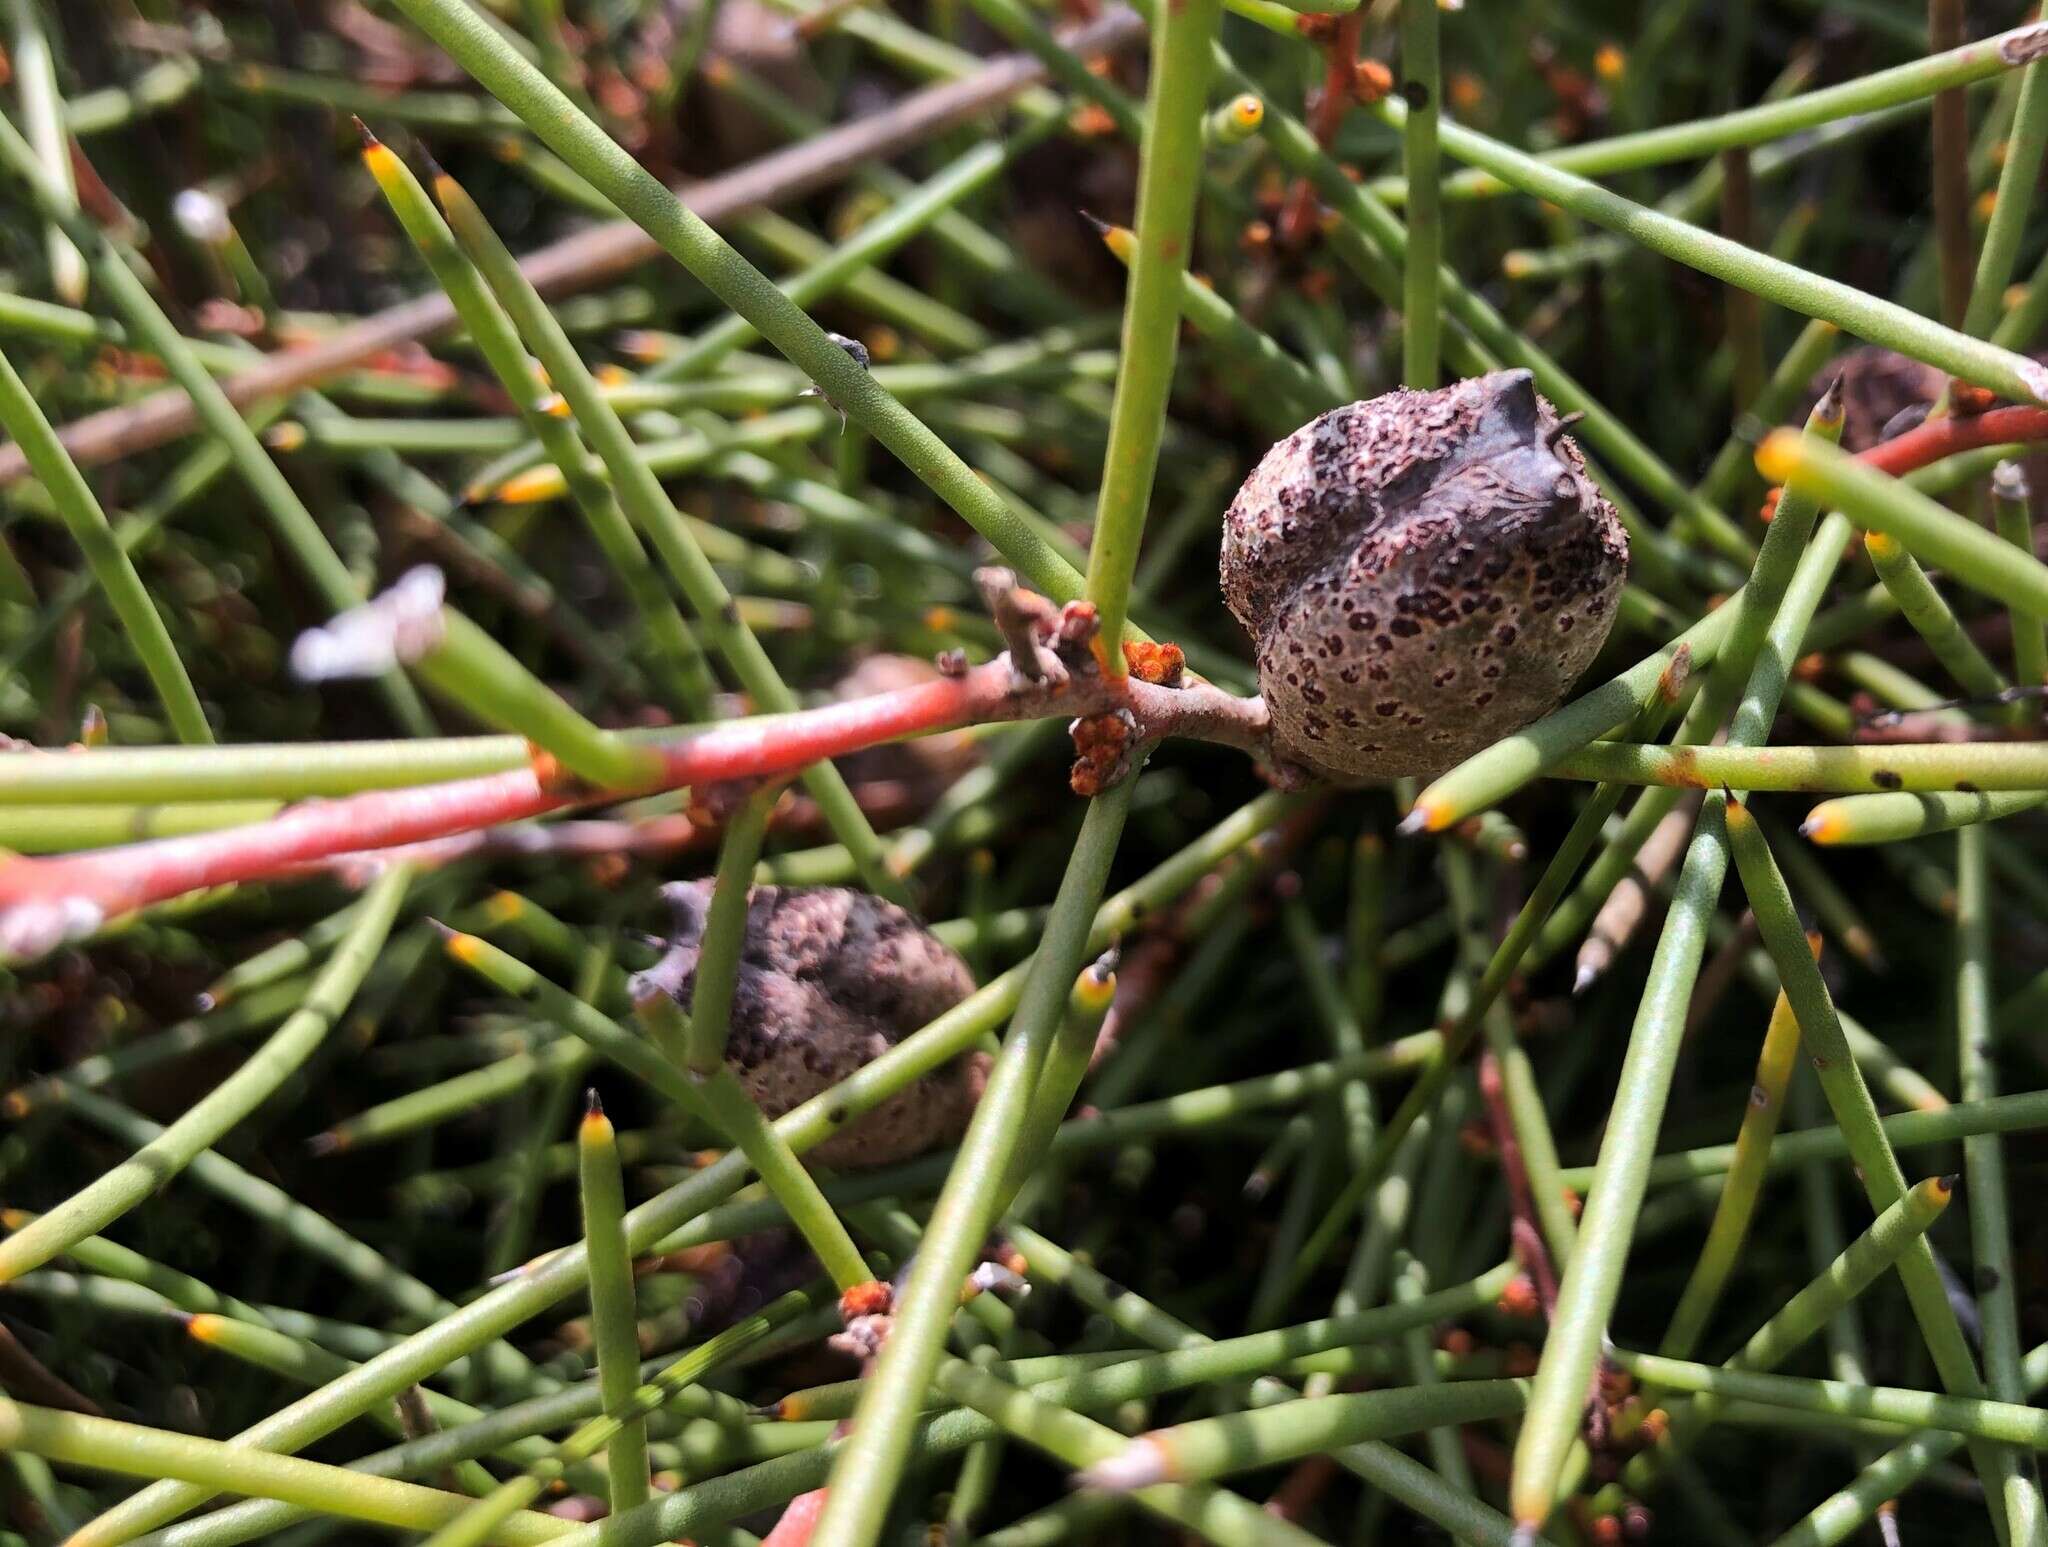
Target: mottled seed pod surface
<point x="1422" y="574"/>
<point x="829" y="979"/>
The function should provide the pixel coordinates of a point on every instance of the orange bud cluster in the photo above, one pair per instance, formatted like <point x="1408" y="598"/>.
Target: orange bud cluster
<point x="874" y="1298"/>
<point x="1102" y="746"/>
<point x="1370" y="81"/>
<point x="1156" y="663"/>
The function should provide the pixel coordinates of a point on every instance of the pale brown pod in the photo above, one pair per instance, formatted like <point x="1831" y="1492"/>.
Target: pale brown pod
<point x="1422" y="574"/>
<point x="1883" y="393"/>
<point x="829" y="979"/>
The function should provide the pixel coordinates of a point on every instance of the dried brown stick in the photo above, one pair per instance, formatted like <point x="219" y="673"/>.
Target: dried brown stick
<point x="599" y="253"/>
<point x="26" y="1376"/>
<point x="1524" y="1231"/>
<point x="1629" y="903"/>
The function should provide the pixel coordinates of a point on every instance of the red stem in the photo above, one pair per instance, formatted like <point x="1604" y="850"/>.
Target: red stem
<point x="1944" y="437"/>
<point x="799" y="1520"/>
<point x="45" y="901"/>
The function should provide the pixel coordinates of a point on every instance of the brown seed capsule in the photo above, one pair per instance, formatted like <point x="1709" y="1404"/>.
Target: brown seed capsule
<point x="1878" y="386"/>
<point x="830" y="978"/>
<point x="1422" y="574"/>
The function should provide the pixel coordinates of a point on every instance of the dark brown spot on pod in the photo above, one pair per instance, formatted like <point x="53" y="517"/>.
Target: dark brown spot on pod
<point x="1458" y="516"/>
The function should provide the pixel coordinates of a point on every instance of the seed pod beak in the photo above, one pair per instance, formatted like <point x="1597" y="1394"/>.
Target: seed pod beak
<point x="688" y="902"/>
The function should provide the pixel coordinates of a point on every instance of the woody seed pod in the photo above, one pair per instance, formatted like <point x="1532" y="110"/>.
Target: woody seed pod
<point x="830" y="978"/>
<point x="1423" y="574"/>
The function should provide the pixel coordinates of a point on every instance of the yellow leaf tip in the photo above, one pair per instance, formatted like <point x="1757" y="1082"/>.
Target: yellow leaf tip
<point x="1778" y="455"/>
<point x="465" y="948"/>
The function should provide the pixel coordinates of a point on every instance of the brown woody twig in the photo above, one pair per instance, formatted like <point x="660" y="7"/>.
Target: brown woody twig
<point x="602" y="252"/>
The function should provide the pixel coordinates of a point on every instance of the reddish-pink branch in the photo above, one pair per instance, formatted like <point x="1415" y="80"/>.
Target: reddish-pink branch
<point x="799" y="1520"/>
<point x="46" y="901"/>
<point x="1934" y="439"/>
